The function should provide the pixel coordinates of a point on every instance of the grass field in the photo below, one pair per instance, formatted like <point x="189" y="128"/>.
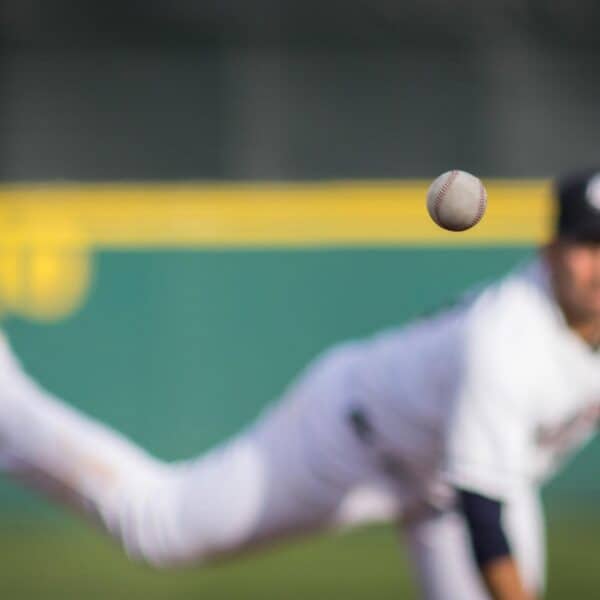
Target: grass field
<point x="72" y="563"/>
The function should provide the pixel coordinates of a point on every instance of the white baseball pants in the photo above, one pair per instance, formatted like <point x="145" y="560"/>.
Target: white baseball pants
<point x="297" y="469"/>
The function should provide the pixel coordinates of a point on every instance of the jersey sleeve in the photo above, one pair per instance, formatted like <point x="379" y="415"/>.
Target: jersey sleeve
<point x="489" y="429"/>
<point x="484" y="523"/>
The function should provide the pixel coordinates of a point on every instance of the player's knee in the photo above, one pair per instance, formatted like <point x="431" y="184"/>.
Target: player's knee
<point x="192" y="514"/>
<point x="147" y="521"/>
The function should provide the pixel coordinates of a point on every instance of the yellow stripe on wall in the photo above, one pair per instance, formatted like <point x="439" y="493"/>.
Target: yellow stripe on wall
<point x="48" y="232"/>
<point x="353" y="213"/>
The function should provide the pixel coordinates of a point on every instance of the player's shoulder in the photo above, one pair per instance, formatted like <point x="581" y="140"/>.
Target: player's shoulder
<point x="513" y="321"/>
<point x="525" y="292"/>
<point x="505" y="339"/>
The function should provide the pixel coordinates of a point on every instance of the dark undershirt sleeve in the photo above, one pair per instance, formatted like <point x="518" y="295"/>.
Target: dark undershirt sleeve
<point x="483" y="516"/>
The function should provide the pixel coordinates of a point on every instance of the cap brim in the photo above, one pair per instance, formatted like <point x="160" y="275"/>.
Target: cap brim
<point x="582" y="233"/>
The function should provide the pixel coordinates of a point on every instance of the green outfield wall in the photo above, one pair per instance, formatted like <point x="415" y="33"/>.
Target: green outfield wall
<point x="179" y="349"/>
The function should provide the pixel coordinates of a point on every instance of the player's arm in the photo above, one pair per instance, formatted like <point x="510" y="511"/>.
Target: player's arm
<point x="490" y="547"/>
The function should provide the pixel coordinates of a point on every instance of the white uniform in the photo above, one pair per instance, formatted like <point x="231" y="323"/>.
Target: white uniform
<point x="489" y="396"/>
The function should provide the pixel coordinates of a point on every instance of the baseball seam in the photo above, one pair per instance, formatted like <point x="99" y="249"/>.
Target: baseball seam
<point x="482" y="202"/>
<point x="440" y="195"/>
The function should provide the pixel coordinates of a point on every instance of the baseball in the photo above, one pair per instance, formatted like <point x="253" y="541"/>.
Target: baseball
<point x="456" y="200"/>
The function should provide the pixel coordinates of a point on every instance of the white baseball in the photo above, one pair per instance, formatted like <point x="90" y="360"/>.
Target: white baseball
<point x="456" y="200"/>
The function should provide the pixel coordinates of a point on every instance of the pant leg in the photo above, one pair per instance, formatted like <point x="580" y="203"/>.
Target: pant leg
<point x="523" y="521"/>
<point x="287" y="473"/>
<point x="72" y="458"/>
<point x="440" y="548"/>
<point x="298" y="470"/>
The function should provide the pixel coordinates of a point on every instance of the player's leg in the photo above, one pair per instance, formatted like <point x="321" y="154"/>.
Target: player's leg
<point x="287" y="473"/>
<point x="440" y="548"/>
<point x="68" y="456"/>
<point x="297" y="469"/>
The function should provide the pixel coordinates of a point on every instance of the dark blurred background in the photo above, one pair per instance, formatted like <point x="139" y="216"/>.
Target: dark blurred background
<point x="297" y="89"/>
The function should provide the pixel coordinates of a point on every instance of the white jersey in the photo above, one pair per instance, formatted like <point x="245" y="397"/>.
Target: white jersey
<point x="488" y="396"/>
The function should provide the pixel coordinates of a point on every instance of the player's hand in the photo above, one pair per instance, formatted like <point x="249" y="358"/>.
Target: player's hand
<point x="504" y="581"/>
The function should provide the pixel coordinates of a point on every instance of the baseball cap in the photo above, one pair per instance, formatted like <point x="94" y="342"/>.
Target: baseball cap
<point x="578" y="198"/>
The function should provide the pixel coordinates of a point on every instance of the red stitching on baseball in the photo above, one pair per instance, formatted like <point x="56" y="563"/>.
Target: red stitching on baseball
<point x="440" y="195"/>
<point x="482" y="202"/>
